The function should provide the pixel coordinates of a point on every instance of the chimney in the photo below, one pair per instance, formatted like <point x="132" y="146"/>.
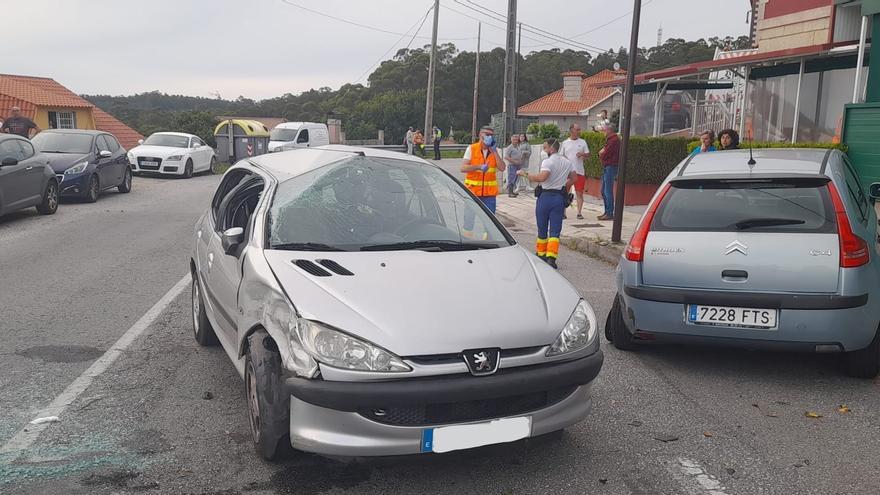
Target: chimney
<point x="571" y="85"/>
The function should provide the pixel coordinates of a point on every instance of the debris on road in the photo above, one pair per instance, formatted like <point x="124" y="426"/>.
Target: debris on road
<point x="707" y="434"/>
<point x="811" y="414"/>
<point x="636" y="423"/>
<point x="665" y="437"/>
<point x="207" y="396"/>
<point x="47" y="419"/>
<point x="843" y="408"/>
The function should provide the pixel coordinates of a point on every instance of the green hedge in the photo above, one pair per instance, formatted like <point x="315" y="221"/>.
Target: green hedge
<point x="759" y="144"/>
<point x="650" y="159"/>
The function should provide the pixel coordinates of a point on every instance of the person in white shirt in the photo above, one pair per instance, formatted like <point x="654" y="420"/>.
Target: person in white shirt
<point x="556" y="177"/>
<point x="576" y="151"/>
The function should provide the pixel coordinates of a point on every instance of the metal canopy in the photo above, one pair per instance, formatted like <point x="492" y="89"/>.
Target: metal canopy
<point x="680" y="86"/>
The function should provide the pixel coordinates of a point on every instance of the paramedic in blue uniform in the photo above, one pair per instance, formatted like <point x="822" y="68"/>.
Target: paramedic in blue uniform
<point x="556" y="176"/>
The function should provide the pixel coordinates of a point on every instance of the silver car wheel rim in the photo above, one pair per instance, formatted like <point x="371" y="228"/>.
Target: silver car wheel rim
<point x="93" y="187"/>
<point x="254" y="404"/>
<point x="128" y="180"/>
<point x="52" y="197"/>
<point x="195" y="307"/>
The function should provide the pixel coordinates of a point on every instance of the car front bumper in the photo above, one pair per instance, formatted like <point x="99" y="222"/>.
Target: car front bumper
<point x="73" y="185"/>
<point x="165" y="168"/>
<point x="342" y="418"/>
<point x="803" y="322"/>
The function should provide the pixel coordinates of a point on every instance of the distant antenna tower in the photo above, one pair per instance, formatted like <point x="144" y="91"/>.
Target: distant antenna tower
<point x="660" y="35"/>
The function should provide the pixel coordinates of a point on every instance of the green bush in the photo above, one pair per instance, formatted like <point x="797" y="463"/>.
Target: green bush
<point x="534" y="129"/>
<point x="549" y="131"/>
<point x="759" y="144"/>
<point x="650" y="159"/>
<point x="462" y="137"/>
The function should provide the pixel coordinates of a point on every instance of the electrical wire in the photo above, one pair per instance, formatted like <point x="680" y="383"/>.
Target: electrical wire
<point x="594" y="29"/>
<point x="415" y="34"/>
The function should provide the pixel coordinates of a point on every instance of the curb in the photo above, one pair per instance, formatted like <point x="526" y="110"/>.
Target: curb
<point x="601" y="250"/>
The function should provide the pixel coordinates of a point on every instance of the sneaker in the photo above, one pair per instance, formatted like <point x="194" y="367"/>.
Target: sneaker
<point x="552" y="262"/>
<point x="580" y="217"/>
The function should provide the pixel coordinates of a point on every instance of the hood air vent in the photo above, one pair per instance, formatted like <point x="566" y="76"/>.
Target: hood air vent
<point x="311" y="268"/>
<point x="335" y="267"/>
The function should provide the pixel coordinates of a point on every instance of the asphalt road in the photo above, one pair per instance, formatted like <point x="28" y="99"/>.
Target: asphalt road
<point x="168" y="416"/>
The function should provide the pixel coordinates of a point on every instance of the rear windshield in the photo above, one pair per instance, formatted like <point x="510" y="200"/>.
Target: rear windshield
<point x="754" y="206"/>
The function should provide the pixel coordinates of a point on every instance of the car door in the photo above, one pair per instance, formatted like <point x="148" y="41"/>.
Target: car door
<point x="302" y="139"/>
<point x="15" y="187"/>
<point x="201" y="154"/>
<point x="104" y="166"/>
<point x="33" y="172"/>
<point x="119" y="161"/>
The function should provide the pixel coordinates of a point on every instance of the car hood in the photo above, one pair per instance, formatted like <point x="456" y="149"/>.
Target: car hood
<point x="277" y="144"/>
<point x="157" y="151"/>
<point x="417" y="303"/>
<point x="63" y="161"/>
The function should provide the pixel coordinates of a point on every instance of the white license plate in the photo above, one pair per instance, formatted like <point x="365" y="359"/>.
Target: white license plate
<point x="457" y="437"/>
<point x="732" y="317"/>
<point x="149" y="163"/>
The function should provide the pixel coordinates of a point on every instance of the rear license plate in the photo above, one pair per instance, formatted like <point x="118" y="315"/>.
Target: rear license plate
<point x="149" y="163"/>
<point x="732" y="317"/>
<point x="457" y="437"/>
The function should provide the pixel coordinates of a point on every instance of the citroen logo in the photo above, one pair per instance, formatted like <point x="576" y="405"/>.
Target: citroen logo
<point x="736" y="246"/>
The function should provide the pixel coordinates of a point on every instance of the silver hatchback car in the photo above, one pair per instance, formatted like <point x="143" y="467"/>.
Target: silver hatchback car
<point x="778" y="252"/>
<point x="358" y="293"/>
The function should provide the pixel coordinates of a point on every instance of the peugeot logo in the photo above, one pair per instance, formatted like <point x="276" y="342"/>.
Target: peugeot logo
<point x="736" y="246"/>
<point x="481" y="361"/>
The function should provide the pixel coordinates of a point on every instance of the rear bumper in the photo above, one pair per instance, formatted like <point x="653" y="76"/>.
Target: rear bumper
<point x="804" y="321"/>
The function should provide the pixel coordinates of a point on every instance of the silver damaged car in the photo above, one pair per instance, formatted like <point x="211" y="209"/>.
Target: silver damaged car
<point x="359" y="294"/>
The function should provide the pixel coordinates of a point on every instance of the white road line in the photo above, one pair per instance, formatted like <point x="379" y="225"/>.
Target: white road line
<point x="27" y="435"/>
<point x="707" y="483"/>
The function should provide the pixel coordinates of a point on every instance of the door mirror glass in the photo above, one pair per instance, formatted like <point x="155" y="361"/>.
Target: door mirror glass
<point x="231" y="239"/>
<point x="140" y="141"/>
<point x="874" y="190"/>
<point x="8" y="161"/>
<point x="105" y="154"/>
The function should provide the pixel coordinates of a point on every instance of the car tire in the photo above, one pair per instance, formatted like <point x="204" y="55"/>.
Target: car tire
<point x="94" y="189"/>
<point x="125" y="187"/>
<point x="268" y="405"/>
<point x="213" y="167"/>
<point x="202" y="329"/>
<point x="188" y="170"/>
<point x="50" y="199"/>
<point x="615" y="328"/>
<point x="864" y="363"/>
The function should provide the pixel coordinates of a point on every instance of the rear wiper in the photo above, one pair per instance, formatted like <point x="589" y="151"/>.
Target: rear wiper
<point x="306" y="246"/>
<point x="767" y="222"/>
<point x="438" y="245"/>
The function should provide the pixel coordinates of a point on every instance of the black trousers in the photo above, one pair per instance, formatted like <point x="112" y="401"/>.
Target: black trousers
<point x="436" y="149"/>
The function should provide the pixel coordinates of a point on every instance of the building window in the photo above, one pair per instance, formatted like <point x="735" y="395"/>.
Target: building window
<point x="62" y="120"/>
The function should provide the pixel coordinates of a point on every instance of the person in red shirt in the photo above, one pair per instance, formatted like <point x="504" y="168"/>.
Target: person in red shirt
<point x="609" y="156"/>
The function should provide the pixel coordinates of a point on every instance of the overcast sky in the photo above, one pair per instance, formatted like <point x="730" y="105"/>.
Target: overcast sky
<point x="265" y="48"/>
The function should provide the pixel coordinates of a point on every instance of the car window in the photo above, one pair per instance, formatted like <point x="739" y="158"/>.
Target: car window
<point x="197" y="142"/>
<point x="368" y="201"/>
<point x="303" y="136"/>
<point x="854" y="190"/>
<point x="238" y="207"/>
<point x="755" y="206"/>
<point x="27" y="149"/>
<point x="101" y="144"/>
<point x="227" y="185"/>
<point x="112" y="143"/>
<point x="11" y="148"/>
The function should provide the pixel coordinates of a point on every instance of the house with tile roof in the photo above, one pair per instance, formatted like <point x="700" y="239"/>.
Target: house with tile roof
<point x="52" y="106"/>
<point x="578" y="101"/>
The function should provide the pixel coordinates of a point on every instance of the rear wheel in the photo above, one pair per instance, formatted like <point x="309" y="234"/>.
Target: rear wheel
<point x="864" y="363"/>
<point x="213" y="165"/>
<point x="94" y="189"/>
<point x="188" y="170"/>
<point x="268" y="407"/>
<point x="615" y="328"/>
<point x="125" y="186"/>
<point x="50" y="199"/>
<point x="202" y="329"/>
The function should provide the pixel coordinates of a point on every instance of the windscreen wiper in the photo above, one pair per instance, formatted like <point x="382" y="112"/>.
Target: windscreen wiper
<point x="306" y="246"/>
<point x="767" y="222"/>
<point x="436" y="245"/>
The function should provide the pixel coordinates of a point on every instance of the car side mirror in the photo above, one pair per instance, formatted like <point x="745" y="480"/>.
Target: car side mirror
<point x="231" y="239"/>
<point x="874" y="190"/>
<point x="105" y="154"/>
<point x="140" y="141"/>
<point x="9" y="161"/>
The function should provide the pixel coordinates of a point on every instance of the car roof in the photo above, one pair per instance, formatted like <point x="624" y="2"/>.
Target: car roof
<point x="768" y="161"/>
<point x="181" y="134"/>
<point x="89" y="132"/>
<point x="297" y="125"/>
<point x="289" y="164"/>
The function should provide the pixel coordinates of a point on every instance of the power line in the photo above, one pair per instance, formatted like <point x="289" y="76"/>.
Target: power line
<point x="382" y="58"/>
<point x="594" y="29"/>
<point x="463" y="14"/>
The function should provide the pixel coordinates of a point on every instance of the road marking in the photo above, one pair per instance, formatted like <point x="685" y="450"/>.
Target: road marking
<point x="707" y="483"/>
<point x="27" y="435"/>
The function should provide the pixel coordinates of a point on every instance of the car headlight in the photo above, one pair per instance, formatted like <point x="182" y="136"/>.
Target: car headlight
<point x="338" y="349"/>
<point x="578" y="333"/>
<point x="131" y="158"/>
<point x="174" y="158"/>
<point x="77" y="169"/>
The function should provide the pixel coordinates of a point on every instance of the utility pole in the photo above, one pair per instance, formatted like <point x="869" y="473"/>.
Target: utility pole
<point x="625" y="122"/>
<point x="516" y="70"/>
<point x="509" y="57"/>
<point x="429" y="101"/>
<point x="476" y="84"/>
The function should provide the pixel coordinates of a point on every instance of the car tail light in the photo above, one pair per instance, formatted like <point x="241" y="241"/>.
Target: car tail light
<point x="853" y="249"/>
<point x="635" y="249"/>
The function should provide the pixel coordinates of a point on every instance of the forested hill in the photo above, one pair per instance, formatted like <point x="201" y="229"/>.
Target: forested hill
<point x="395" y="95"/>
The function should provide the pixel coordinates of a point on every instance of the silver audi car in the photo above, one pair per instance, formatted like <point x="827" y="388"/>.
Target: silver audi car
<point x="362" y="296"/>
<point x="777" y="250"/>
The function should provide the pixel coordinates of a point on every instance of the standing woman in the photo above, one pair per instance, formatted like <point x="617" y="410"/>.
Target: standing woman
<point x="556" y="176"/>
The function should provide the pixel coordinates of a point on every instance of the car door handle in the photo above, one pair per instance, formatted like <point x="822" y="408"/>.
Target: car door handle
<point x="29" y="168"/>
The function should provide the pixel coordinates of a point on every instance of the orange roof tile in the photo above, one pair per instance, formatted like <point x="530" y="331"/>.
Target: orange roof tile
<point x="127" y="136"/>
<point x="553" y="103"/>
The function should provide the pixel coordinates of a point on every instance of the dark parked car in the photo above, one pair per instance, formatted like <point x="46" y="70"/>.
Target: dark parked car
<point x="85" y="162"/>
<point x="25" y="177"/>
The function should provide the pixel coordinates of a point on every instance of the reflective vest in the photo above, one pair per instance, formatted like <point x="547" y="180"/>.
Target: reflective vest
<point x="482" y="184"/>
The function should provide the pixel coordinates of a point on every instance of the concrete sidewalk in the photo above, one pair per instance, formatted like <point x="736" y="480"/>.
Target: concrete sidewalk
<point x="589" y="236"/>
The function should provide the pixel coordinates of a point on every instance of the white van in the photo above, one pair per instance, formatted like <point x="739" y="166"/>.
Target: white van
<point x="290" y="135"/>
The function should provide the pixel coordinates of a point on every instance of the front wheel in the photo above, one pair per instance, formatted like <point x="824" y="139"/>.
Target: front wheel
<point x="213" y="167"/>
<point x="94" y="189"/>
<point x="50" y="199"/>
<point x="615" y="328"/>
<point x="864" y="363"/>
<point x="268" y="407"/>
<point x="125" y="186"/>
<point x="188" y="170"/>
